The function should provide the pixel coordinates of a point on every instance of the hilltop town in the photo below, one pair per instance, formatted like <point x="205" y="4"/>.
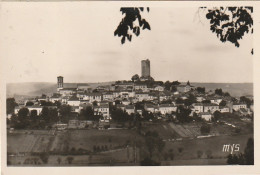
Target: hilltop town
<point x="174" y="110"/>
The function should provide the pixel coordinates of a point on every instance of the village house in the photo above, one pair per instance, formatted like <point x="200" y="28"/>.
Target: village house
<point x="149" y="108"/>
<point x="108" y="96"/>
<point x="75" y="109"/>
<point x="64" y="100"/>
<point x="152" y="96"/>
<point x="252" y="107"/>
<point x="206" y="116"/>
<point x="164" y="95"/>
<point x="103" y="110"/>
<point x="224" y="109"/>
<point x="93" y="97"/>
<point x="125" y="102"/>
<point x="67" y="91"/>
<point x="116" y="94"/>
<point x="130" y="109"/>
<point x="198" y="107"/>
<point x="124" y="95"/>
<point x="30" y="108"/>
<point x="55" y="97"/>
<point x="124" y="86"/>
<point x="237" y="106"/>
<point x="121" y="106"/>
<point x="200" y="98"/>
<point x="215" y="100"/>
<point x="210" y="107"/>
<point x="141" y="86"/>
<point x="73" y="124"/>
<point x="61" y="126"/>
<point x="159" y="88"/>
<point x="73" y="101"/>
<point x="167" y="108"/>
<point x="142" y="96"/>
<point x="184" y="88"/>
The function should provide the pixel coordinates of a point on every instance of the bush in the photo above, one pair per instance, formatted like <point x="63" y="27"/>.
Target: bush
<point x="165" y="155"/>
<point x="237" y="130"/>
<point x="180" y="150"/>
<point x="70" y="159"/>
<point x="209" y="154"/>
<point x="171" y="156"/>
<point x="44" y="157"/>
<point x="199" y="153"/>
<point x="149" y="162"/>
<point x="205" y="129"/>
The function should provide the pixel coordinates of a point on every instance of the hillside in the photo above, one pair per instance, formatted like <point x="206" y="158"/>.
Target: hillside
<point x="36" y="89"/>
<point x="235" y="89"/>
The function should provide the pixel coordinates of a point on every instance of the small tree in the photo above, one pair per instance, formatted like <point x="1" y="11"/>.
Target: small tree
<point x="59" y="160"/>
<point x="44" y="157"/>
<point x="209" y="154"/>
<point x="205" y="129"/>
<point x="135" y="78"/>
<point x="29" y="103"/>
<point x="199" y="153"/>
<point x="10" y="105"/>
<point x="216" y="115"/>
<point x="219" y="92"/>
<point x="70" y="159"/>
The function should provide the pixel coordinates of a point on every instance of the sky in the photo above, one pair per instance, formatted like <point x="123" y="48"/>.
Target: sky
<point x="76" y="41"/>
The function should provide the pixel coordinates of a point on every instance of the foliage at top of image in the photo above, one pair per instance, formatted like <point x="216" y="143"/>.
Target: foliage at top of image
<point x="230" y="23"/>
<point x="127" y="28"/>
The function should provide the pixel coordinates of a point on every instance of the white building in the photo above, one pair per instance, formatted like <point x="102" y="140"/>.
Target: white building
<point x="210" y="107"/>
<point x="224" y="109"/>
<point x="198" y="107"/>
<point x="55" y="97"/>
<point x="206" y="116"/>
<point x="237" y="106"/>
<point x="108" y="96"/>
<point x="74" y="101"/>
<point x="93" y="97"/>
<point x="30" y="108"/>
<point x="149" y="108"/>
<point x="67" y="91"/>
<point x="103" y="110"/>
<point x="215" y="100"/>
<point x="167" y="108"/>
<point x="159" y="88"/>
<point x="130" y="109"/>
<point x="142" y="96"/>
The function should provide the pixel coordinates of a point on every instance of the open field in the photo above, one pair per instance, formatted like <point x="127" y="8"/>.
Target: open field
<point x="190" y="130"/>
<point x="63" y="144"/>
<point x="29" y="141"/>
<point x="87" y="139"/>
<point x="109" y="158"/>
<point x="213" y="146"/>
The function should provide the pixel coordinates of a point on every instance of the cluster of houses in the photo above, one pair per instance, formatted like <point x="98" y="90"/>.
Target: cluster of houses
<point x="125" y="95"/>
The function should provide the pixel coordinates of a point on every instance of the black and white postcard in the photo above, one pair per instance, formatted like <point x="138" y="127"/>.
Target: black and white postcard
<point x="165" y="85"/>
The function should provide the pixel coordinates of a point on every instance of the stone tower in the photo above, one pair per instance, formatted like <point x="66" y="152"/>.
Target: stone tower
<point x="145" y="66"/>
<point x="59" y="83"/>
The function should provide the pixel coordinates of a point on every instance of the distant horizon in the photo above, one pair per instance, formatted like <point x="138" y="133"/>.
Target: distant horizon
<point x="129" y="80"/>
